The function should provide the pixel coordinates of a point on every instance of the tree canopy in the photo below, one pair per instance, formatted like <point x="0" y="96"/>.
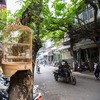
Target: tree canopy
<point x="53" y="17"/>
<point x="48" y="19"/>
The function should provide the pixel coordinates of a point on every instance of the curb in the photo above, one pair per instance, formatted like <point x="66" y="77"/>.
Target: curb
<point x="83" y="75"/>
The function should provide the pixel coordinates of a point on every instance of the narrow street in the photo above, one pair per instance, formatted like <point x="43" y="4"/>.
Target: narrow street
<point x="85" y="89"/>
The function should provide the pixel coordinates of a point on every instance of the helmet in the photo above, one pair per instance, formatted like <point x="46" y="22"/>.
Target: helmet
<point x="63" y="63"/>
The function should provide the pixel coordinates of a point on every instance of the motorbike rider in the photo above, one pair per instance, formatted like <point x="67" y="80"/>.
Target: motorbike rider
<point x="63" y="67"/>
<point x="61" y="71"/>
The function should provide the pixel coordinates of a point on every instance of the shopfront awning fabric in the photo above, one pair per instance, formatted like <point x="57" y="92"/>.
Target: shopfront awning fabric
<point x="49" y="51"/>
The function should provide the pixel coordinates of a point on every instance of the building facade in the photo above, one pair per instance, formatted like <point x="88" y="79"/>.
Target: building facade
<point x="85" y="50"/>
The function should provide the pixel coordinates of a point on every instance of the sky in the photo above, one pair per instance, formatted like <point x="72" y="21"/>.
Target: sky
<point x="12" y="5"/>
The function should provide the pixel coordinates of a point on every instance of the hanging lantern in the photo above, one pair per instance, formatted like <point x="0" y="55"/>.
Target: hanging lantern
<point x="16" y="48"/>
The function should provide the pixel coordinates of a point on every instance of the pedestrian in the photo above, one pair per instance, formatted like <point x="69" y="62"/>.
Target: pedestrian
<point x="96" y="70"/>
<point x="37" y="67"/>
<point x="44" y="63"/>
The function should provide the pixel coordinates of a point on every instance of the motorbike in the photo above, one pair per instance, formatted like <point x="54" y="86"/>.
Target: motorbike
<point x="37" y="95"/>
<point x="3" y="95"/>
<point x="67" y="78"/>
<point x="4" y="85"/>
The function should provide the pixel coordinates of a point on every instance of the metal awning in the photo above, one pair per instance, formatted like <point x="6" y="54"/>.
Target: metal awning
<point x="49" y="52"/>
<point x="87" y="43"/>
<point x="63" y="47"/>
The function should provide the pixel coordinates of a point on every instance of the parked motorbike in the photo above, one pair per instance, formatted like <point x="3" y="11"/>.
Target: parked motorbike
<point x="3" y="95"/>
<point x="36" y="93"/>
<point x="4" y="84"/>
<point x="69" y="79"/>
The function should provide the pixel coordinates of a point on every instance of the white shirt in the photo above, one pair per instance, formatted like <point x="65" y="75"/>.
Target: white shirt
<point x="95" y="65"/>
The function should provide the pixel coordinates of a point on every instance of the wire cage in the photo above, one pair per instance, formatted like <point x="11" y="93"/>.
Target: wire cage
<point x="16" y="48"/>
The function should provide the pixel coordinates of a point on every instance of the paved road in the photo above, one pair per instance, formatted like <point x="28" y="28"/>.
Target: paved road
<point x="85" y="89"/>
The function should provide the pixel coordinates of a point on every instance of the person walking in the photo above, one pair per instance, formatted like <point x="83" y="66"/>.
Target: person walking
<point x="96" y="70"/>
<point x="37" y="67"/>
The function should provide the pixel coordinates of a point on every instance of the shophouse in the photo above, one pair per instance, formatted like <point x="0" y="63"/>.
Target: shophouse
<point x="85" y="49"/>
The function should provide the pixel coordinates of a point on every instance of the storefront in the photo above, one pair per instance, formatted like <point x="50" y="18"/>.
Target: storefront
<point x="86" y="52"/>
<point x="66" y="54"/>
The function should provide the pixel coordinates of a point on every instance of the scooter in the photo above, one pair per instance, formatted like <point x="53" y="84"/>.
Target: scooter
<point x="4" y="84"/>
<point x="37" y="95"/>
<point x="68" y="78"/>
<point x="3" y="95"/>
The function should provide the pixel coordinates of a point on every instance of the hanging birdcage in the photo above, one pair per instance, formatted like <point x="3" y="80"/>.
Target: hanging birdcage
<point x="16" y="48"/>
